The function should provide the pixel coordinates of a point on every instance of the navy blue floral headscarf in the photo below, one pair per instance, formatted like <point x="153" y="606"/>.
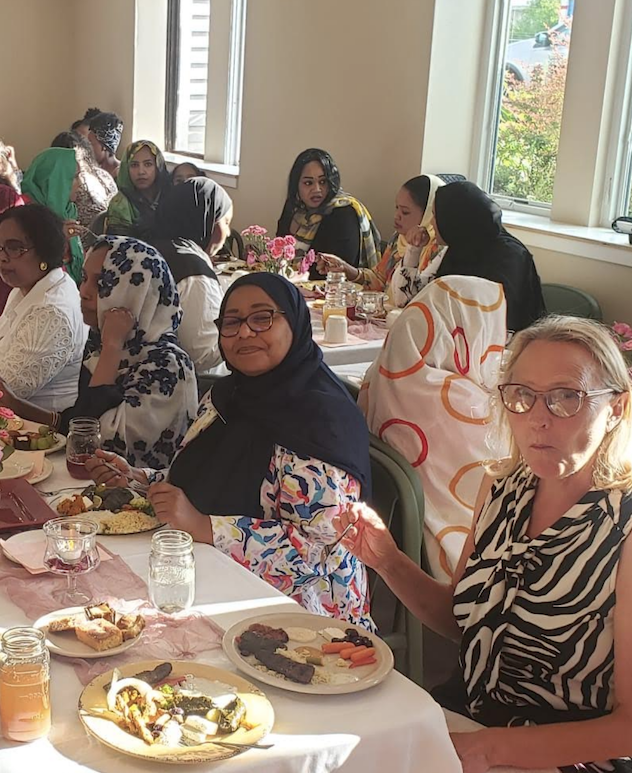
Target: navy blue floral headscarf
<point x="155" y="375"/>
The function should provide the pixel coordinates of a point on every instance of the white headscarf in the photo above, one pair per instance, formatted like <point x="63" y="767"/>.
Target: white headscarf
<point x="427" y="395"/>
<point x="155" y="375"/>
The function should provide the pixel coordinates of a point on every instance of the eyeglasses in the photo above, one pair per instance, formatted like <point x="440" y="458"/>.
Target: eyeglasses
<point x="561" y="402"/>
<point x="258" y="322"/>
<point x="14" y="248"/>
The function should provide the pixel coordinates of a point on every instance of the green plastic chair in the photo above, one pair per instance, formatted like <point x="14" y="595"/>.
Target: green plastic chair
<point x="395" y="499"/>
<point x="564" y="299"/>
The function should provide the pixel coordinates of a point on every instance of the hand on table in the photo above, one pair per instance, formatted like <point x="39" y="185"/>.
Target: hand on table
<point x="172" y="506"/>
<point x="369" y="539"/>
<point x="117" y="325"/>
<point x="107" y="477"/>
<point x="418" y="236"/>
<point x="471" y="750"/>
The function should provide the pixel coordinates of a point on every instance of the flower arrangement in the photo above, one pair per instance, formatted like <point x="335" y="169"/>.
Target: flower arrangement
<point x="622" y="334"/>
<point x="6" y="449"/>
<point x="277" y="255"/>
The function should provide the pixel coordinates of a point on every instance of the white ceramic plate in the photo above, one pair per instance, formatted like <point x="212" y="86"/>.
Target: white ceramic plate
<point x="259" y="712"/>
<point x="360" y="678"/>
<point x="16" y="466"/>
<point x="98" y="515"/>
<point x="66" y="643"/>
<point x="47" y="471"/>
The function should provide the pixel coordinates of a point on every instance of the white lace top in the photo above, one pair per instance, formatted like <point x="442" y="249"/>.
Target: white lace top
<point x="42" y="336"/>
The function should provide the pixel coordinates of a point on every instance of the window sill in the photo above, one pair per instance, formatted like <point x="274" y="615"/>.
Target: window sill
<point x="592" y="243"/>
<point x="227" y="176"/>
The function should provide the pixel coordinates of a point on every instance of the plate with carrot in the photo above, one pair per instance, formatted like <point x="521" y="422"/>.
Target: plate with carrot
<point x="307" y="653"/>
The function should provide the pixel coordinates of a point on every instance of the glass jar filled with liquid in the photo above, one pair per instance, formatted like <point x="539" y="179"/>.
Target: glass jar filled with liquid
<point x="171" y="571"/>
<point x="84" y="437"/>
<point x="24" y="684"/>
<point x="335" y="301"/>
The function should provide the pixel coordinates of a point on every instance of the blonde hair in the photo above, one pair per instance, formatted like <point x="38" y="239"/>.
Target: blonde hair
<point x="613" y="465"/>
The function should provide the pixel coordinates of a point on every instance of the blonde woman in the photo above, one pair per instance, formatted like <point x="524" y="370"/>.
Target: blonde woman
<point x="541" y="601"/>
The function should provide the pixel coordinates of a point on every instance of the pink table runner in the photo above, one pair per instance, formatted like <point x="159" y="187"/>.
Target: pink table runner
<point x="165" y="637"/>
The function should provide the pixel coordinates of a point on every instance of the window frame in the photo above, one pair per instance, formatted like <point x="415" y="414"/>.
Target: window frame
<point x="225" y="88"/>
<point x="498" y="21"/>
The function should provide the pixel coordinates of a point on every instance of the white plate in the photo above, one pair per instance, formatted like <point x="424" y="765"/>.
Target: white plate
<point x="32" y="426"/>
<point x="97" y="515"/>
<point x="16" y="466"/>
<point x="66" y="643"/>
<point x="47" y="471"/>
<point x="363" y="677"/>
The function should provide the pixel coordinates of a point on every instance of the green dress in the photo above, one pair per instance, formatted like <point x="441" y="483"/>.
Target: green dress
<point x="48" y="181"/>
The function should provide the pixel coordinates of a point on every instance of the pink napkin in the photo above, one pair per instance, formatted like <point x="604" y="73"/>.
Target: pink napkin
<point x="31" y="554"/>
<point x="166" y="637"/>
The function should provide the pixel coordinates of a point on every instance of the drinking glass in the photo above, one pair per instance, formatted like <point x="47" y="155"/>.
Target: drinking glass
<point x="71" y="549"/>
<point x="369" y="304"/>
<point x="84" y="437"/>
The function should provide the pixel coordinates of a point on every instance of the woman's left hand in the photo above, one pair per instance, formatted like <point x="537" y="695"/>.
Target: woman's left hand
<point x="172" y="506"/>
<point x="72" y="228"/>
<point x="471" y="749"/>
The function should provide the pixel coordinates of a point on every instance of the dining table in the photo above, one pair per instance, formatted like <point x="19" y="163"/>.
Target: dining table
<point x="395" y="725"/>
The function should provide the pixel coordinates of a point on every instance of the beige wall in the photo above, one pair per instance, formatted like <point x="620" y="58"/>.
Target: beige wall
<point x="351" y="77"/>
<point x="36" y="73"/>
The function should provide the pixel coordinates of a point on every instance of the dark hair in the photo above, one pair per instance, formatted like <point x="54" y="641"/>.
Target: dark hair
<point x="105" y="121"/>
<point x="82" y="147"/>
<point x="90" y="113"/>
<point x="329" y="167"/>
<point x="44" y="229"/>
<point x="66" y="140"/>
<point x="198" y="172"/>
<point x="419" y="190"/>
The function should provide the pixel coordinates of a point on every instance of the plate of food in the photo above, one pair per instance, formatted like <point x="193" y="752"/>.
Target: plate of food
<point x="117" y="510"/>
<point x="308" y="653"/>
<point x="177" y="712"/>
<point x="317" y="286"/>
<point x="28" y="436"/>
<point x="230" y="266"/>
<point x="96" y="631"/>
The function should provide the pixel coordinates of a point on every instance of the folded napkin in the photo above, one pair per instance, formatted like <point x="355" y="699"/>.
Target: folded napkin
<point x="37" y="457"/>
<point x="352" y="340"/>
<point x="31" y="554"/>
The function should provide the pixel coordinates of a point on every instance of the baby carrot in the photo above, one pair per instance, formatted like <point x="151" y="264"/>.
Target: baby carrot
<point x="332" y="647"/>
<point x="362" y="653"/>
<point x="367" y="662"/>
<point x="347" y="653"/>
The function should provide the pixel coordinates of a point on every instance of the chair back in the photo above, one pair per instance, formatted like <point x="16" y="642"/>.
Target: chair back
<point x="564" y="299"/>
<point x="233" y="246"/>
<point x="396" y="501"/>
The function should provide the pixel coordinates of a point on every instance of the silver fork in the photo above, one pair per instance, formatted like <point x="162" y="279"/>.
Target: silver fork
<point x="330" y="548"/>
<point x="132" y="483"/>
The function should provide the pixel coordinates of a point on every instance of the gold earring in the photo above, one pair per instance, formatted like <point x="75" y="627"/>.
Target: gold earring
<point x="43" y="266"/>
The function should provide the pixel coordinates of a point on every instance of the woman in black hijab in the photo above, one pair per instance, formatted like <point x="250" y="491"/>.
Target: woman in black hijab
<point x="277" y="451"/>
<point x="470" y="223"/>
<point x="192" y="223"/>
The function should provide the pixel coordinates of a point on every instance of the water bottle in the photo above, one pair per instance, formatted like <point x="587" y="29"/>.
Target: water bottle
<point x="171" y="571"/>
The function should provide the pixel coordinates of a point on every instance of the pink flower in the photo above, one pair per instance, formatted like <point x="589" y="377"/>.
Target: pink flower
<point x="626" y="346"/>
<point x="4" y="436"/>
<point x="251" y="258"/>
<point x="275" y="247"/>
<point x="7" y="413"/>
<point x="289" y="240"/>
<point x="308" y="260"/>
<point x="254" y="230"/>
<point x="622" y="329"/>
<point x="290" y="252"/>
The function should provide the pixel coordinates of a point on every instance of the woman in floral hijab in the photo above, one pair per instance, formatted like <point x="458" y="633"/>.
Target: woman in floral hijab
<point x="135" y="378"/>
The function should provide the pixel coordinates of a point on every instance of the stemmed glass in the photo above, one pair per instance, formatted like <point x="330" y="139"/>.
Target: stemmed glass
<point x="71" y="549"/>
<point x="369" y="304"/>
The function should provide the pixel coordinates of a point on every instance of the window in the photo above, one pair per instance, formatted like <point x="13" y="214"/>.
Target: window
<point x="205" y="49"/>
<point x="526" y="95"/>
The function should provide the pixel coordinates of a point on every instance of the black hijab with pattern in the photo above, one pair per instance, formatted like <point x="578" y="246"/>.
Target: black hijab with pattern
<point x="300" y="405"/>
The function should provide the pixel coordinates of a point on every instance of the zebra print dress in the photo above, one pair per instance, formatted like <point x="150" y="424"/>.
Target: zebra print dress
<point x="537" y="615"/>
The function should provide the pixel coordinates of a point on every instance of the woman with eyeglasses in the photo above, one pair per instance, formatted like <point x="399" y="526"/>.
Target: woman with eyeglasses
<point x="42" y="333"/>
<point x="541" y="601"/>
<point x="278" y="449"/>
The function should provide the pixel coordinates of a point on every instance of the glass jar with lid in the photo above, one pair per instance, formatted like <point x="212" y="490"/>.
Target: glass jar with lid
<point x="171" y="571"/>
<point x="24" y="684"/>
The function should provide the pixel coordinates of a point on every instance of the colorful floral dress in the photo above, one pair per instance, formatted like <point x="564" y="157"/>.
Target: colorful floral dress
<point x="289" y="547"/>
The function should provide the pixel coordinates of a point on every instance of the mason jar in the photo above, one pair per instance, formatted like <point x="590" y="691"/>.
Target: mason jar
<point x="84" y="437"/>
<point x="171" y="571"/>
<point x="24" y="684"/>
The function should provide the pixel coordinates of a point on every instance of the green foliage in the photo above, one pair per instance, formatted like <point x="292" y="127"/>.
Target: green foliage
<point x="538" y="16"/>
<point x="529" y="133"/>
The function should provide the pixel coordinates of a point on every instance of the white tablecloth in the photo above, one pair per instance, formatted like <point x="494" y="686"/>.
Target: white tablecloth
<point x="395" y="726"/>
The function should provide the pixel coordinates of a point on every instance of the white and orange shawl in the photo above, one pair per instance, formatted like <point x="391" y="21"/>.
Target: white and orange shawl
<point x="427" y="396"/>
